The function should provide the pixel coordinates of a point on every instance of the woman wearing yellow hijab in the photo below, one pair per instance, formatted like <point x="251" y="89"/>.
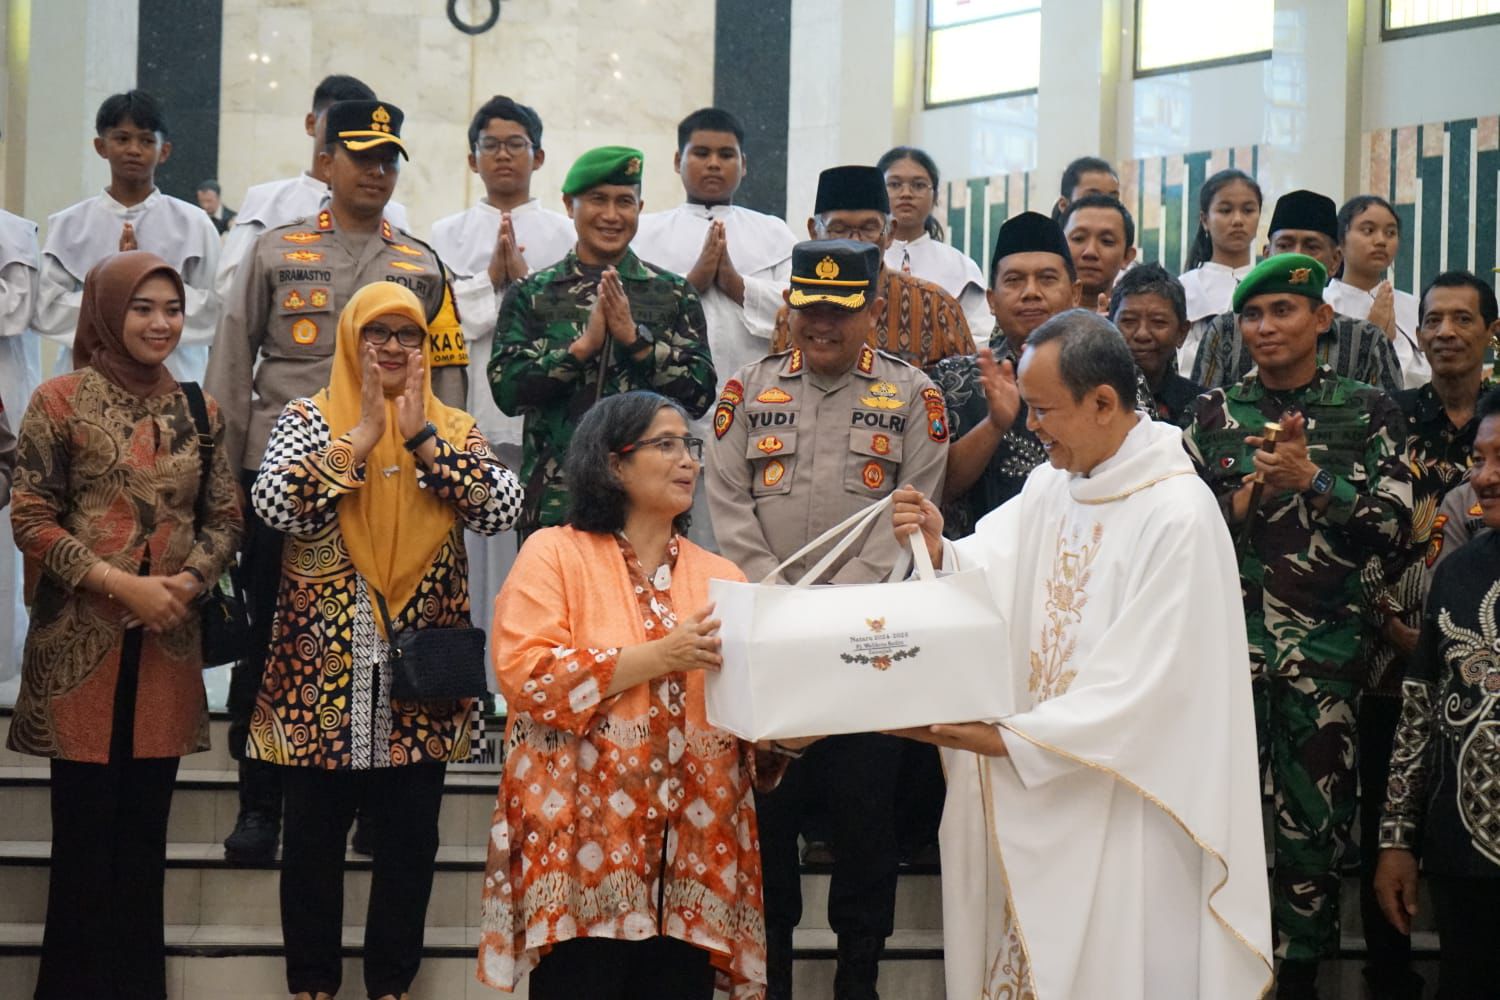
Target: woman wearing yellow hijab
<point x="373" y="481"/>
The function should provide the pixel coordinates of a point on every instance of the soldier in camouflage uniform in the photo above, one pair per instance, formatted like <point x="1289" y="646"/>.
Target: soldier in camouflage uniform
<point x="1333" y="493"/>
<point x="598" y="322"/>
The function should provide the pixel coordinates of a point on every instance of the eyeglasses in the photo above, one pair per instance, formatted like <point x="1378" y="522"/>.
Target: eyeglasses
<point x="515" y="145"/>
<point x="917" y="186"/>
<point x="671" y="446"/>
<point x="869" y="232"/>
<point x="407" y="336"/>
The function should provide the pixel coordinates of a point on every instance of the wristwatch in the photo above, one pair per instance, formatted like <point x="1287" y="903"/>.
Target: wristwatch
<point x="1322" y="485"/>
<point x="420" y="438"/>
<point x="643" y="337"/>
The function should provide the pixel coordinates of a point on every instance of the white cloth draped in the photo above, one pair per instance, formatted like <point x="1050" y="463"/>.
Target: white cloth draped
<point x="80" y="236"/>
<point x="1416" y="371"/>
<point x="20" y="374"/>
<point x="950" y="269"/>
<point x="1209" y="289"/>
<point x="1118" y="850"/>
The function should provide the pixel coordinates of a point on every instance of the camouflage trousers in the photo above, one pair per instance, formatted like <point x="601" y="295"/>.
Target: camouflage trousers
<point x="1305" y="728"/>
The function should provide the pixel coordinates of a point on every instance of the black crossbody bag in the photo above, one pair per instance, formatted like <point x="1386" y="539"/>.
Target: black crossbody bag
<point x="223" y="620"/>
<point x="435" y="664"/>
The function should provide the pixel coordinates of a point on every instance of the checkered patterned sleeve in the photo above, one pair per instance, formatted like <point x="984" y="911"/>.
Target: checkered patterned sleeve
<point x="303" y="473"/>
<point x="487" y="494"/>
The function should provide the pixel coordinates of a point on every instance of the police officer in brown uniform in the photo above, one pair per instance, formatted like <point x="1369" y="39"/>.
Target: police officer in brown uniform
<point x="803" y="439"/>
<point x="275" y="343"/>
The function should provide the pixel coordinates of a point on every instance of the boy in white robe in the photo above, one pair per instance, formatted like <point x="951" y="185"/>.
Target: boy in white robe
<point x="739" y="260"/>
<point x="1105" y="839"/>
<point x="279" y="203"/>
<point x="131" y="214"/>
<point x="501" y="239"/>
<point x="20" y="374"/>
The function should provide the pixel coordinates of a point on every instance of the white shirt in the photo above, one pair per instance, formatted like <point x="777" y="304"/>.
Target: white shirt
<point x="760" y="247"/>
<point x="1209" y="289"/>
<point x="465" y="242"/>
<point x="950" y="269"/>
<point x="80" y="236"/>
<point x="272" y="204"/>
<point x="20" y="374"/>
<point x="1416" y="371"/>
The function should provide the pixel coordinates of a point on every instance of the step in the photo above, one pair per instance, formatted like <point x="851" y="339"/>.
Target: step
<point x="203" y="889"/>
<point x="245" y="963"/>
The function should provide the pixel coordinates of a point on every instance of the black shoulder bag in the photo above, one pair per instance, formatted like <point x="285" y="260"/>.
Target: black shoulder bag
<point x="223" y="621"/>
<point x="434" y="664"/>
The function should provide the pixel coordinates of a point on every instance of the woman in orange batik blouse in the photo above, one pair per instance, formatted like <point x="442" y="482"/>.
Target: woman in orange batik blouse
<point x="623" y="858"/>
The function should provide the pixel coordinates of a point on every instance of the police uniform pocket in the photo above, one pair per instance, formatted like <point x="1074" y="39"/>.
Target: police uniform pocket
<point x="874" y="462"/>
<point x="773" y="458"/>
<point x="305" y="323"/>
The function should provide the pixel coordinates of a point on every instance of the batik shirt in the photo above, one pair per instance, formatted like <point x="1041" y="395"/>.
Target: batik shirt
<point x="1300" y="568"/>
<point x="1351" y="347"/>
<point x="1440" y="797"/>
<point x="533" y="375"/>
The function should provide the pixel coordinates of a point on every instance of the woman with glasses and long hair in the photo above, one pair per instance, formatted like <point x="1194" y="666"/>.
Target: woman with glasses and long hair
<point x="373" y="481"/>
<point x="917" y="247"/>
<point x="623" y="857"/>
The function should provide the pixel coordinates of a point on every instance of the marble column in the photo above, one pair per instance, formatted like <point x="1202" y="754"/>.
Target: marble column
<point x="752" y="78"/>
<point x="1080" y="76"/>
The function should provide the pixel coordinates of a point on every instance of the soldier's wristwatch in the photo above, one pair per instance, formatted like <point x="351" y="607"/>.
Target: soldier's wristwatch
<point x="643" y="337"/>
<point x="1322" y="485"/>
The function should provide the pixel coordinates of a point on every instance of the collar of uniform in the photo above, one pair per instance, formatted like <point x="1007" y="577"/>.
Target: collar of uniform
<point x="710" y="212"/>
<point x="1325" y="386"/>
<point x="629" y="268"/>
<point x="135" y="209"/>
<point x="525" y="206"/>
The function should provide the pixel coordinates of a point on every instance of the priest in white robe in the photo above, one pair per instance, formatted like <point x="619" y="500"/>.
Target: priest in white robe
<point x="502" y="238"/>
<point x="739" y="260"/>
<point x="20" y="374"/>
<point x="1104" y="840"/>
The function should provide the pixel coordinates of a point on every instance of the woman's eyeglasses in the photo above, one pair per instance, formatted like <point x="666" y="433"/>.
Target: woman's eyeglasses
<point x="671" y="446"/>
<point x="378" y="335"/>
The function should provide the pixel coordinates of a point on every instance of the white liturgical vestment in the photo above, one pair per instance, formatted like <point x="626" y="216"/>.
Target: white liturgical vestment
<point x="1117" y="851"/>
<point x="1209" y="290"/>
<point x="465" y="242"/>
<point x="951" y="270"/>
<point x="80" y="236"/>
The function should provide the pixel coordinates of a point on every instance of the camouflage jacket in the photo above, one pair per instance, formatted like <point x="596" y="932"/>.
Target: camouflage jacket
<point x="533" y="376"/>
<point x="1300" y="569"/>
<point x="1353" y="348"/>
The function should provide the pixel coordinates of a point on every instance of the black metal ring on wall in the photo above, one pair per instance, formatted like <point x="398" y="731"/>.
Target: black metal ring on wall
<point x="474" y="29"/>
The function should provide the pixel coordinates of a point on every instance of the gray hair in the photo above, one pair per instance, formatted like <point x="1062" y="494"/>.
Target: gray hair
<point x="1149" y="279"/>
<point x="1091" y="353"/>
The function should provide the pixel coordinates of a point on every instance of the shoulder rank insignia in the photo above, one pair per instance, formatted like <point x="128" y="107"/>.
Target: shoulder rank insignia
<point x="294" y="300"/>
<point x="769" y="445"/>
<point x="409" y="251"/>
<point x="866" y="360"/>
<point x="325" y="220"/>
<point x="407" y="265"/>
<point x="883" y="397"/>
<point x="772" y="473"/>
<point x="302" y="238"/>
<point x="773" y="394"/>
<point x="318" y="297"/>
<point x="880" y="444"/>
<point x="874" y="474"/>
<point x="795" y="364"/>
<point x="304" y="331"/>
<point x="303" y="256"/>
<point x="386" y="232"/>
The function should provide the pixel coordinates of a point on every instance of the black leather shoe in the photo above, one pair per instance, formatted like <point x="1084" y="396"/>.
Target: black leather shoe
<point x="253" y="841"/>
<point x="778" y="962"/>
<point x="363" y="841"/>
<point x="1297" y="979"/>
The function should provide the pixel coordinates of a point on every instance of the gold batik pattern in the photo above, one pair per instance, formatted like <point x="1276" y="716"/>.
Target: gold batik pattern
<point x="1067" y="593"/>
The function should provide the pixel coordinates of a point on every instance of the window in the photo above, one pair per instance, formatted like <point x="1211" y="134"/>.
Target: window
<point x="979" y="49"/>
<point x="1419" y="17"/>
<point x="1174" y="35"/>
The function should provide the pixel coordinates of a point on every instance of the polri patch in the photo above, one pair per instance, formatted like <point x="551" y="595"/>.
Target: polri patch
<point x="770" y="444"/>
<point x="407" y="266"/>
<point x="304" y="332"/>
<point x="880" y="444"/>
<point x="318" y="297"/>
<point x="302" y="256"/>
<point x="874" y="474"/>
<point x="773" y="395"/>
<point x="294" y="300"/>
<point x="1435" y="543"/>
<point x="302" y="238"/>
<point x="772" y="473"/>
<point x="723" y="418"/>
<point x="409" y="251"/>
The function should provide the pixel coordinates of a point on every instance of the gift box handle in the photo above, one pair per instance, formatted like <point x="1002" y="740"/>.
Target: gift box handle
<point x="852" y="526"/>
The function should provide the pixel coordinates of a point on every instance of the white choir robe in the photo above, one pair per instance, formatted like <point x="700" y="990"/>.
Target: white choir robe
<point x="951" y="270"/>
<point x="1416" y="370"/>
<point x="1117" y="852"/>
<point x="20" y="374"/>
<point x="277" y="203"/>
<point x="1209" y="289"/>
<point x="465" y="242"/>
<point x="760" y="247"/>
<point x="80" y="236"/>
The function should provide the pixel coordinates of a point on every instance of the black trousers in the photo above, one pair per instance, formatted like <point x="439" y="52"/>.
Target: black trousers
<point x="1468" y="921"/>
<point x="104" y="934"/>
<point x="657" y="968"/>
<point x="402" y="803"/>
<point x="1389" y="950"/>
<point x="855" y="776"/>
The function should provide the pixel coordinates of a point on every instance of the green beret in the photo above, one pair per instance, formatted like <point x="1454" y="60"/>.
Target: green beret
<point x="605" y="165"/>
<point x="1293" y="273"/>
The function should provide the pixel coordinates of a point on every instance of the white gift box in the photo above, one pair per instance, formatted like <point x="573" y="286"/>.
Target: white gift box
<point x="810" y="660"/>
